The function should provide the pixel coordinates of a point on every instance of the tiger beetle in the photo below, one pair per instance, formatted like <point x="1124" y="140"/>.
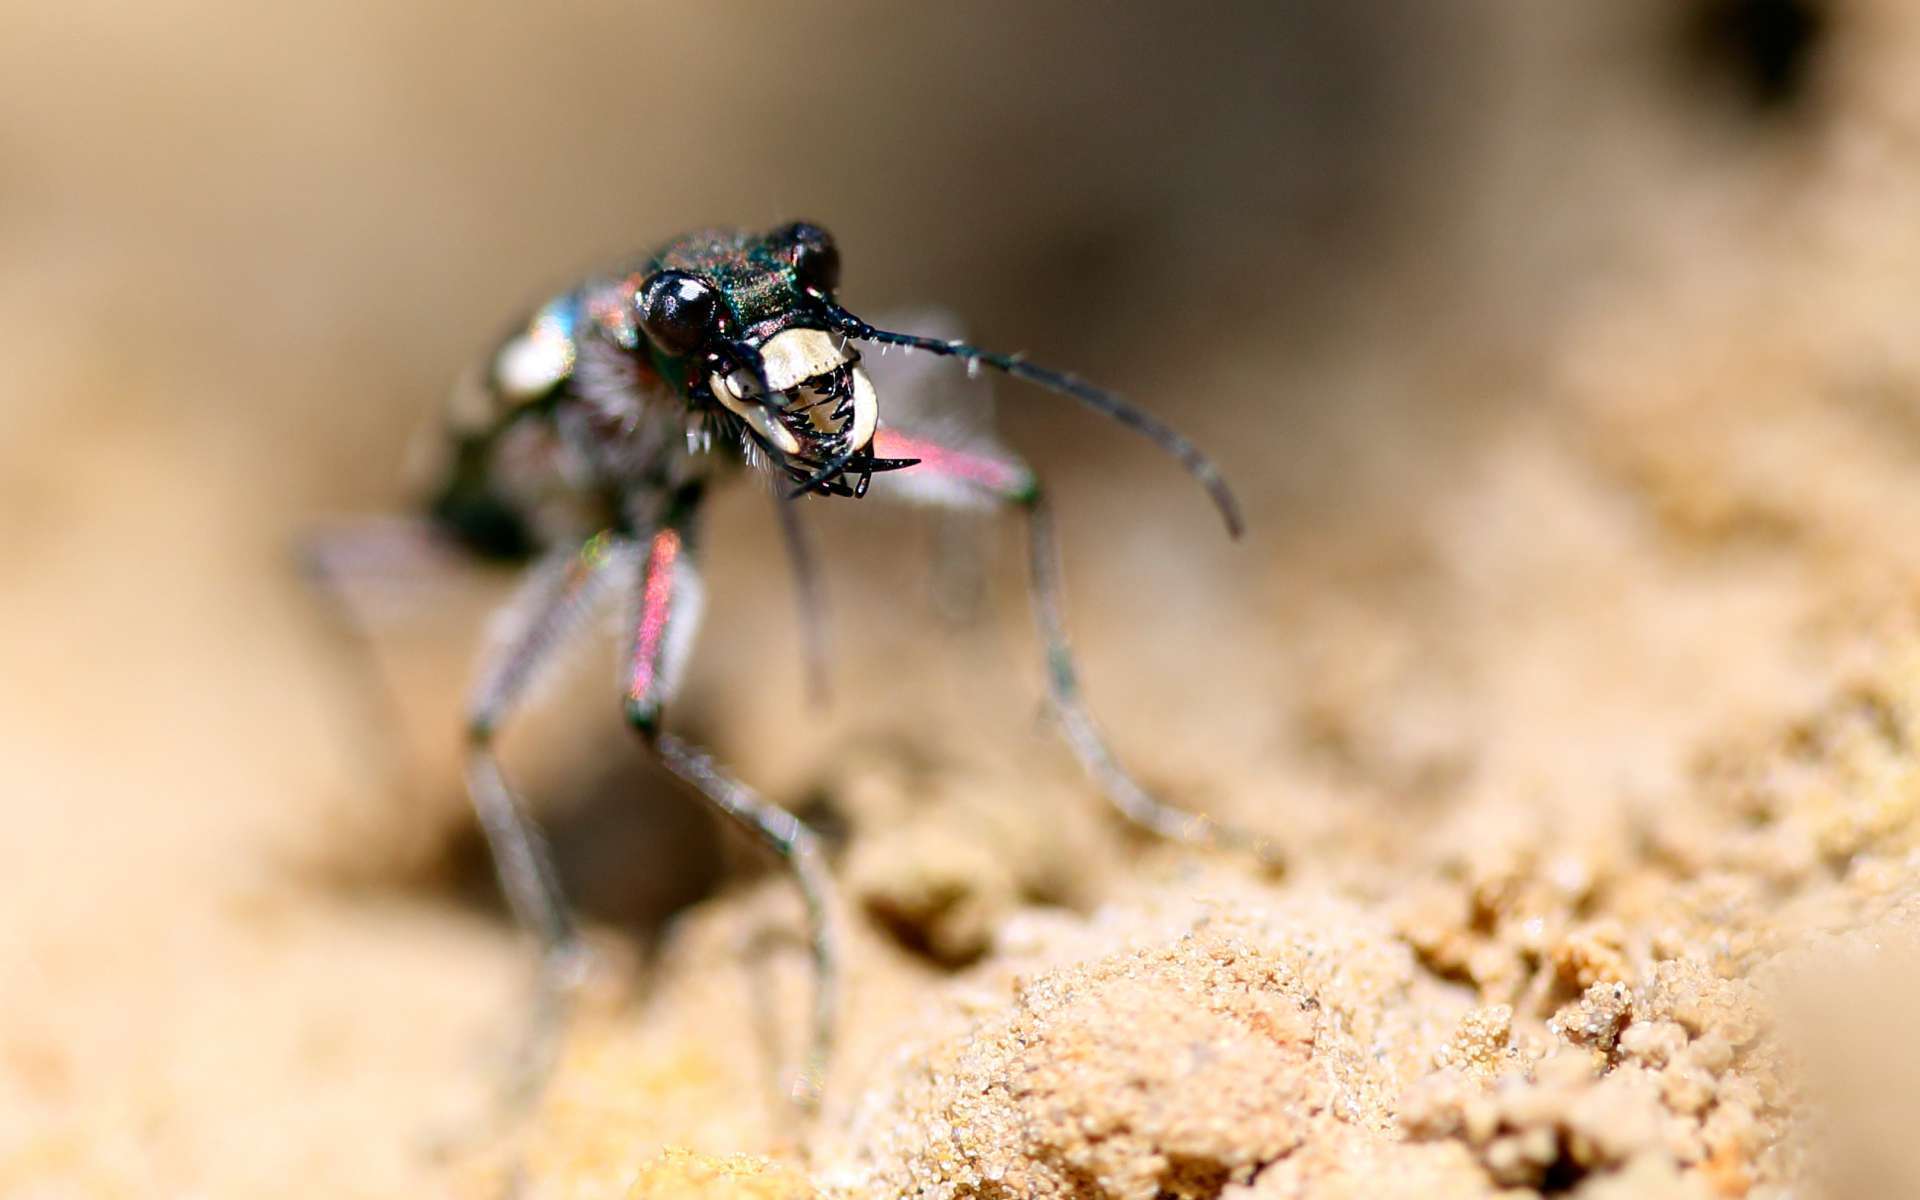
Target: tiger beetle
<point x="586" y="445"/>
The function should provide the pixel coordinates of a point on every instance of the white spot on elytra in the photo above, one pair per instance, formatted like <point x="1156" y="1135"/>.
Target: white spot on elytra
<point x="531" y="365"/>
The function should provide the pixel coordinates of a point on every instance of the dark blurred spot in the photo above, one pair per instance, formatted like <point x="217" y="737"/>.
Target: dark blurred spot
<point x="826" y="818"/>
<point x="1765" y="48"/>
<point x="484" y="524"/>
<point x="1562" y="1175"/>
<point x="469" y="508"/>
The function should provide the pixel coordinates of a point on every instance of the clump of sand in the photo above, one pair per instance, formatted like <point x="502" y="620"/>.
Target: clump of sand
<point x="1176" y="1047"/>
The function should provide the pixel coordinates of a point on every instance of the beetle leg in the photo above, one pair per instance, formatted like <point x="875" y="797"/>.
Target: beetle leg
<point x="360" y="574"/>
<point x="558" y="592"/>
<point x="669" y="603"/>
<point x="809" y="598"/>
<point x="967" y="477"/>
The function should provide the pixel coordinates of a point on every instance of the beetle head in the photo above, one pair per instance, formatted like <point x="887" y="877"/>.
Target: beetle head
<point x="738" y="317"/>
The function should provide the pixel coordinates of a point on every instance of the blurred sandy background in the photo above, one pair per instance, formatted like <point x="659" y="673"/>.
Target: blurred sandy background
<point x="1562" y="354"/>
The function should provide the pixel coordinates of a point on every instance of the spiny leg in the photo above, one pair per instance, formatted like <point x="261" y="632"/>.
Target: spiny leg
<point x="959" y="477"/>
<point x="663" y="631"/>
<point x="790" y="838"/>
<point x="1084" y="736"/>
<point x="809" y="599"/>
<point x="352" y="571"/>
<point x="558" y="592"/>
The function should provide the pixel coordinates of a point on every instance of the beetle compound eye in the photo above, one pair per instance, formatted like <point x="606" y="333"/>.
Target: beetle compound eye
<point x="816" y="260"/>
<point x="677" y="311"/>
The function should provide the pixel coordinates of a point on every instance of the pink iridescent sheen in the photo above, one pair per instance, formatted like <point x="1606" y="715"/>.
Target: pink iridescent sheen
<point x="655" y="605"/>
<point x="995" y="475"/>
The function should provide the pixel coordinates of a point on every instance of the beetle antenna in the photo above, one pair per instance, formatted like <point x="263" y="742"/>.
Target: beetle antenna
<point x="1098" y="399"/>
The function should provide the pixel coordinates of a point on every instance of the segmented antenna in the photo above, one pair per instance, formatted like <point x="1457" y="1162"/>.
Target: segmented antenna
<point x="1099" y="400"/>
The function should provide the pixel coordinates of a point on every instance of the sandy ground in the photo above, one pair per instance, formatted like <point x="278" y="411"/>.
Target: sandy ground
<point x="1573" y="659"/>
